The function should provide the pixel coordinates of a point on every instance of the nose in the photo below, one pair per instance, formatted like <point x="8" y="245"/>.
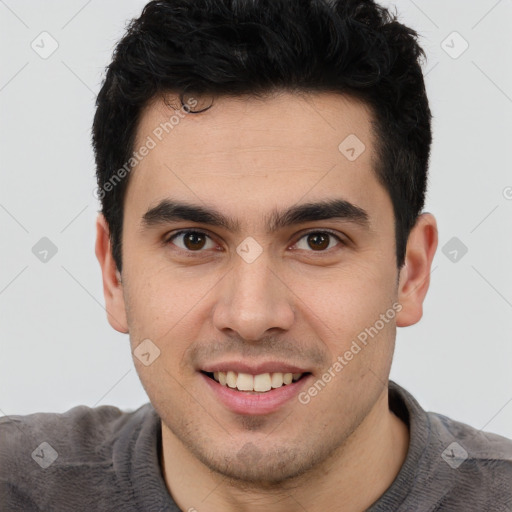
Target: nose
<point x="252" y="300"/>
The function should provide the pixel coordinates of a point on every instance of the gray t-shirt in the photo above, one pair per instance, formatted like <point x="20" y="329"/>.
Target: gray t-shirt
<point x="105" y="459"/>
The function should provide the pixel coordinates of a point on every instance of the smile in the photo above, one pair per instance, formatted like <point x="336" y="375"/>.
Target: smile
<point x="260" y="383"/>
<point x="238" y="391"/>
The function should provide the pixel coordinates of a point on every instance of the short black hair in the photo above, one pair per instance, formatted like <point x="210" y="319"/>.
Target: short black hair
<point x="257" y="47"/>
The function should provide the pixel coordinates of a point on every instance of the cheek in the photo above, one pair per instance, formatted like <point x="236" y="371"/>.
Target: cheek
<point x="345" y="302"/>
<point x="164" y="304"/>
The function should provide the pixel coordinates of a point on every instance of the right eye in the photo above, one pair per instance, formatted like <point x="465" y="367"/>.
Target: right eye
<point x="191" y="240"/>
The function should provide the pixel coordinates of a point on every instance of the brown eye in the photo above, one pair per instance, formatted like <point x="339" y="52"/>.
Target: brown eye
<point x="318" y="241"/>
<point x="192" y="241"/>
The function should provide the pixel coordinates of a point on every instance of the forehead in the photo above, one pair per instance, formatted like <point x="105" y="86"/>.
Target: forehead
<point x="294" y="123"/>
<point x="250" y="151"/>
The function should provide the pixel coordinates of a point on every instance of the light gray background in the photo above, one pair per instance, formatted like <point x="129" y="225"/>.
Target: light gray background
<point x="56" y="347"/>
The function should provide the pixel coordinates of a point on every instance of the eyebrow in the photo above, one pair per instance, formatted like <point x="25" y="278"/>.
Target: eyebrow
<point x="172" y="211"/>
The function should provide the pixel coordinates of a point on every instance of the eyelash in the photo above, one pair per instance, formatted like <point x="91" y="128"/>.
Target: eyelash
<point x="170" y="238"/>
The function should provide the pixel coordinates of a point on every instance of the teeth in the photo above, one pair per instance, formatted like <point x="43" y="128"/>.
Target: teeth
<point x="231" y="378"/>
<point x="277" y="380"/>
<point x="245" y="382"/>
<point x="260" y="383"/>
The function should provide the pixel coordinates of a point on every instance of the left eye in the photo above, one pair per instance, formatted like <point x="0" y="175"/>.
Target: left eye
<point x="194" y="241"/>
<point x="318" y="240"/>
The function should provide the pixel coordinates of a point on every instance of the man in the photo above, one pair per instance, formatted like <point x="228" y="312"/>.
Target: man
<point x="262" y="170"/>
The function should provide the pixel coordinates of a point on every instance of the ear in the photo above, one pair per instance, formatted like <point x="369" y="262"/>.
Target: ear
<point x="415" y="274"/>
<point x="112" y="285"/>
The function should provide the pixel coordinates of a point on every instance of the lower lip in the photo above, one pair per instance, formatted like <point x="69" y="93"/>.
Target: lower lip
<point x="255" y="404"/>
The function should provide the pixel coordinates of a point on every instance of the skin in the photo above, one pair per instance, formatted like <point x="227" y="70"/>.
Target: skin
<point x="246" y="157"/>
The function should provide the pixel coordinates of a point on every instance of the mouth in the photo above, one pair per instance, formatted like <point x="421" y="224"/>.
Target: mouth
<point x="255" y="384"/>
<point x="249" y="387"/>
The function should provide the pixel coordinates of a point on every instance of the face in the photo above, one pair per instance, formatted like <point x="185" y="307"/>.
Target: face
<point x="228" y="268"/>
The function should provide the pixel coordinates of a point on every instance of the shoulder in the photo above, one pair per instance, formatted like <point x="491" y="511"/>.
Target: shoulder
<point x="42" y="452"/>
<point x="477" y="464"/>
<point x="475" y="444"/>
<point x="450" y="465"/>
<point x="74" y="428"/>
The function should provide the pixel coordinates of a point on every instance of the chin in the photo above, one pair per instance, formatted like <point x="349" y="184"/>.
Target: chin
<point x="252" y="465"/>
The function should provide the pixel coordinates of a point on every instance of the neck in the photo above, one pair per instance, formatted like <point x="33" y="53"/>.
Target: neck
<point x="352" y="479"/>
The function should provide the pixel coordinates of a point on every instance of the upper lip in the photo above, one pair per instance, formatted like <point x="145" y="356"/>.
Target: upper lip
<point x="253" y="368"/>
